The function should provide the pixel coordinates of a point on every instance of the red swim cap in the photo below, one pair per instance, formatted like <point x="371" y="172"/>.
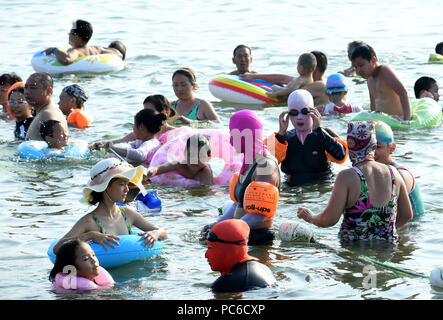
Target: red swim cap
<point x="227" y="245"/>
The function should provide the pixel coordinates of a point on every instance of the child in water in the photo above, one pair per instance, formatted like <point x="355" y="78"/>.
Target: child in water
<point x="188" y="107"/>
<point x="383" y="154"/>
<point x="306" y="66"/>
<point x="386" y="92"/>
<point x="79" y="255"/>
<point x="426" y="87"/>
<point x="71" y="103"/>
<point x="21" y="110"/>
<point x="195" y="166"/>
<point x="337" y="91"/>
<point x="146" y="124"/>
<point x="350" y="72"/>
<point x="55" y="135"/>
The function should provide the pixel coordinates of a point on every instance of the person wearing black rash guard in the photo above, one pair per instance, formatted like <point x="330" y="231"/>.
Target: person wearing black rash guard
<point x="306" y="151"/>
<point x="228" y="253"/>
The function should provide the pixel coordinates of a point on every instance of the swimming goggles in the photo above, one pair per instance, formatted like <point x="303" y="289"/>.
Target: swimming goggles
<point x="295" y="112"/>
<point x="211" y="236"/>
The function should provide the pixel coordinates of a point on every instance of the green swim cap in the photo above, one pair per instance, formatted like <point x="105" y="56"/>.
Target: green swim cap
<point x="384" y="132"/>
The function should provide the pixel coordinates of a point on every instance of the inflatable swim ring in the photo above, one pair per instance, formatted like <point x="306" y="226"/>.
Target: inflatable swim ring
<point x="173" y="150"/>
<point x="435" y="58"/>
<point x="96" y="64"/>
<point x="37" y="149"/>
<point x="425" y="113"/>
<point x="71" y="282"/>
<point x="231" y="88"/>
<point x="130" y="249"/>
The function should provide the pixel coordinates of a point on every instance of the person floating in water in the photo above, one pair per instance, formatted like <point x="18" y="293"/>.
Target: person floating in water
<point x="79" y="37"/>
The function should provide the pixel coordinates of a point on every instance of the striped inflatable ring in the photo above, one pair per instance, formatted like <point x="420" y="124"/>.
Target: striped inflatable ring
<point x="232" y="89"/>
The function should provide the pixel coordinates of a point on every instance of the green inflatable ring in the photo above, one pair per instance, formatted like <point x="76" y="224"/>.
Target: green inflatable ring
<point x="425" y="113"/>
<point x="435" y="58"/>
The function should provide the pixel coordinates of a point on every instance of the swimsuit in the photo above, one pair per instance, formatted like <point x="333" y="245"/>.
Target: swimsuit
<point x="363" y="221"/>
<point x="102" y="230"/>
<point x="192" y="115"/>
<point x="415" y="195"/>
<point x="22" y="127"/>
<point x="332" y="108"/>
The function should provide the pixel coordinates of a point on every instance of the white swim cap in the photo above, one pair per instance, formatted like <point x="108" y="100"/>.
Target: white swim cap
<point x="299" y="99"/>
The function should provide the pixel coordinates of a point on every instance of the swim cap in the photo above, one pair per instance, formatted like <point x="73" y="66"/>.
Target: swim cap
<point x="384" y="132"/>
<point x="361" y="140"/>
<point x="246" y="132"/>
<point x="299" y="99"/>
<point x="336" y="83"/>
<point x="227" y="245"/>
<point x="76" y="91"/>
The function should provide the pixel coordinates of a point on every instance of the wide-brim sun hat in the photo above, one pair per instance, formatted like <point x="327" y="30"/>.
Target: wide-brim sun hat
<point x="107" y="169"/>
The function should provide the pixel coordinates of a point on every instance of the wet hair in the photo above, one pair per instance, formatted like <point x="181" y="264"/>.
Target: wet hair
<point x="188" y="73"/>
<point x="308" y="61"/>
<point x="439" y="48"/>
<point x="47" y="128"/>
<point x="240" y="46"/>
<point x="152" y="122"/>
<point x="201" y="140"/>
<point x="65" y="257"/>
<point x="83" y="29"/>
<point x="423" y="83"/>
<point x="9" y="78"/>
<point x="365" y="52"/>
<point x="44" y="78"/>
<point x="322" y="61"/>
<point x="160" y="103"/>
<point x="19" y="89"/>
<point x="355" y="44"/>
<point x="120" y="47"/>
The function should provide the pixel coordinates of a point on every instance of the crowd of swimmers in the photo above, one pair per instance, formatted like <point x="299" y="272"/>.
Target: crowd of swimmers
<point x="303" y="153"/>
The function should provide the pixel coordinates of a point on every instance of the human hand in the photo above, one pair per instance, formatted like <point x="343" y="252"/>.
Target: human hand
<point x="152" y="171"/>
<point x="49" y="51"/>
<point x="150" y="237"/>
<point x="316" y="118"/>
<point x="283" y="121"/>
<point x="183" y="120"/>
<point x="96" y="145"/>
<point x="305" y="214"/>
<point x="103" y="239"/>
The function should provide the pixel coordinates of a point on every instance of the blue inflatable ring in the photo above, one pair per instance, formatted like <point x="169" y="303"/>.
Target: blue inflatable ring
<point x="130" y="249"/>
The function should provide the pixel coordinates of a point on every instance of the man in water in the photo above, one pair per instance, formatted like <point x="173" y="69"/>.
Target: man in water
<point x="79" y="37"/>
<point x="242" y="59"/>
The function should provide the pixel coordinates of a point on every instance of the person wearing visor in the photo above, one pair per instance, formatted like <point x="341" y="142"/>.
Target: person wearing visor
<point x="228" y="253"/>
<point x="305" y="152"/>
<point x="79" y="37"/>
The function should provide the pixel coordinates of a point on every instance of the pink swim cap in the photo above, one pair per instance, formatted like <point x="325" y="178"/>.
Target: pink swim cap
<point x="300" y="99"/>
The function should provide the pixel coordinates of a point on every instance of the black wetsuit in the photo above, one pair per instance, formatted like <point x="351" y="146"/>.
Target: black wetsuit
<point x="245" y="276"/>
<point x="307" y="163"/>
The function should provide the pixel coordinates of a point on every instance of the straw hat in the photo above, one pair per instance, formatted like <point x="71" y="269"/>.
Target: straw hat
<point x="107" y="169"/>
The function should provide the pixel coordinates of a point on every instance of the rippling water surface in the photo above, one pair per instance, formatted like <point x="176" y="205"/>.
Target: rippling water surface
<point x="40" y="201"/>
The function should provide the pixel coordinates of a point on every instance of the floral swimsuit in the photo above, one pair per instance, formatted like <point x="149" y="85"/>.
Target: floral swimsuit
<point x="363" y="221"/>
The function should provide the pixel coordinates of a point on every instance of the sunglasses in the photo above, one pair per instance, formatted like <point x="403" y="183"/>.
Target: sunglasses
<point x="211" y="236"/>
<point x="295" y="112"/>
